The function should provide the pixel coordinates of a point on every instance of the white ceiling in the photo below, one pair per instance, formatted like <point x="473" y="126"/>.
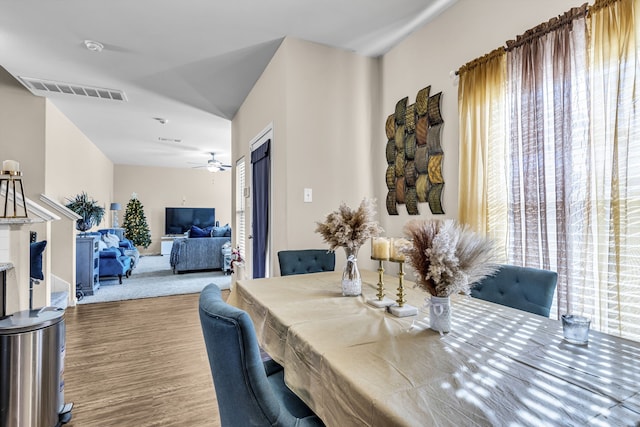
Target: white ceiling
<point x="191" y="62"/>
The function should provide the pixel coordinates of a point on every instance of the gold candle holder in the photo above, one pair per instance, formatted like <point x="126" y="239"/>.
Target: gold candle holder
<point x="380" y="293"/>
<point x="380" y="300"/>
<point x="402" y="297"/>
<point x="400" y="308"/>
<point x="380" y="253"/>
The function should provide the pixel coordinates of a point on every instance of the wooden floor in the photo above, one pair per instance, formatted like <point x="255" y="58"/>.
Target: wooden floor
<point x="138" y="363"/>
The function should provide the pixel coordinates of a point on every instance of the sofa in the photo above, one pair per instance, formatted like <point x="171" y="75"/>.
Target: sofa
<point x="201" y="249"/>
<point x="201" y="253"/>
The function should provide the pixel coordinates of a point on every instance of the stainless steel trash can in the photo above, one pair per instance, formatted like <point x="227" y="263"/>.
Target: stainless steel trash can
<point x="31" y="368"/>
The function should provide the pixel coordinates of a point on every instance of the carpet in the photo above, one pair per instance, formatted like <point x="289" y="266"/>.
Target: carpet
<point x="153" y="277"/>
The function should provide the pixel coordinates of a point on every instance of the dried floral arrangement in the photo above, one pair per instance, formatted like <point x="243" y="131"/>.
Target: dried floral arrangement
<point x="350" y="228"/>
<point x="447" y="257"/>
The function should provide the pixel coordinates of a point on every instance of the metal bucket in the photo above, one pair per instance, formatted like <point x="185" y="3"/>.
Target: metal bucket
<point x="31" y="368"/>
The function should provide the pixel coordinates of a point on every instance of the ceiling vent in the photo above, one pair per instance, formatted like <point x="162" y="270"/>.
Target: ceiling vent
<point x="39" y="85"/>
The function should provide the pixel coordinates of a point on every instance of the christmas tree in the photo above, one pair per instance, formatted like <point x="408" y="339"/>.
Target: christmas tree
<point x="135" y="223"/>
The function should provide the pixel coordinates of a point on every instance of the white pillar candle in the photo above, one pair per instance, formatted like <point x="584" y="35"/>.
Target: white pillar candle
<point x="10" y="166"/>
<point x="380" y="248"/>
<point x="396" y="248"/>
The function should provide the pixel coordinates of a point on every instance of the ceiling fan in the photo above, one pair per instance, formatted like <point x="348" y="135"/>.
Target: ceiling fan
<point x="214" y="165"/>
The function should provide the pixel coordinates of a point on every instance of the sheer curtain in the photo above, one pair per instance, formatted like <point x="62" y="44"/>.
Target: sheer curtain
<point x="611" y="235"/>
<point x="548" y="125"/>
<point x="482" y="148"/>
<point x="570" y="179"/>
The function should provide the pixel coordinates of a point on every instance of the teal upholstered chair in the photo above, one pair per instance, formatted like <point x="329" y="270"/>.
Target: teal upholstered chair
<point x="524" y="288"/>
<point x="305" y="261"/>
<point x="249" y="392"/>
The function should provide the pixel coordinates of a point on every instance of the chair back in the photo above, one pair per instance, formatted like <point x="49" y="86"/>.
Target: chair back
<point x="305" y="261"/>
<point x="524" y="288"/>
<point x="244" y="393"/>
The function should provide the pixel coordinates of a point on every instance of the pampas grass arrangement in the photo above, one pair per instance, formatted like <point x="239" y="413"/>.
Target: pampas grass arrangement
<point x="350" y="228"/>
<point x="447" y="257"/>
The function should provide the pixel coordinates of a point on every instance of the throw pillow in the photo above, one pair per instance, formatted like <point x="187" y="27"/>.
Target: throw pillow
<point x="111" y="240"/>
<point x="218" y="232"/>
<point x="102" y="245"/>
<point x="196" y="231"/>
<point x="227" y="231"/>
<point x="35" y="255"/>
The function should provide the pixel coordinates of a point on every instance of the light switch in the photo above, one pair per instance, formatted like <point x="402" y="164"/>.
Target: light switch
<point x="308" y="195"/>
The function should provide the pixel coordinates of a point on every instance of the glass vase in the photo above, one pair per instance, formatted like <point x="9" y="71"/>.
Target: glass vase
<point x="351" y="280"/>
<point x="440" y="314"/>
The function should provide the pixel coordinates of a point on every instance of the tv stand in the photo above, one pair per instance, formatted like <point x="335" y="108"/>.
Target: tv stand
<point x="166" y="243"/>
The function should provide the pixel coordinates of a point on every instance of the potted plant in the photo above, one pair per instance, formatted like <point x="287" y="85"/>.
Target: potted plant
<point x="88" y="209"/>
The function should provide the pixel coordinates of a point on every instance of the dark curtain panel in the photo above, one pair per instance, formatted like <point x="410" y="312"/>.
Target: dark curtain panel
<point x="261" y="164"/>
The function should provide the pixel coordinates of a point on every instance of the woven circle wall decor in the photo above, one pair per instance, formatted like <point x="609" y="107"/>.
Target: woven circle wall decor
<point x="435" y="199"/>
<point x="411" y="201"/>
<point x="392" y="207"/>
<point x="400" y="164"/>
<point x="391" y="151"/>
<point x="410" y="118"/>
<point x="410" y="146"/>
<point x="422" y="188"/>
<point x="421" y="159"/>
<point x="414" y="154"/>
<point x="400" y="194"/>
<point x="390" y="126"/>
<point x="399" y="139"/>
<point x="391" y="177"/>
<point x="410" y="173"/>
<point x="433" y="109"/>
<point x="435" y="169"/>
<point x="434" y="136"/>
<point x="422" y="100"/>
<point x="401" y="110"/>
<point x="422" y="127"/>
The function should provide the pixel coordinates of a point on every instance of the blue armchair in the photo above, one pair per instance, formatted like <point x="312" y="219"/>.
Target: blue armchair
<point x="124" y="243"/>
<point x="114" y="263"/>
<point x="249" y="392"/>
<point x="524" y="288"/>
<point x="305" y="261"/>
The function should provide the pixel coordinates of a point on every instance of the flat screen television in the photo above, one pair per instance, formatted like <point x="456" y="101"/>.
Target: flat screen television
<point x="180" y="220"/>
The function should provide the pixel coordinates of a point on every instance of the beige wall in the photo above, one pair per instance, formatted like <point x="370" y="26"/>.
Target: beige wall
<point x="320" y="101"/>
<point x="328" y="108"/>
<point x="157" y="188"/>
<point x="73" y="165"/>
<point x="22" y="132"/>
<point x="22" y="138"/>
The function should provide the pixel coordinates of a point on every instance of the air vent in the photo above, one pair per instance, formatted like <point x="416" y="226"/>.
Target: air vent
<point x="169" y="139"/>
<point x="72" y="89"/>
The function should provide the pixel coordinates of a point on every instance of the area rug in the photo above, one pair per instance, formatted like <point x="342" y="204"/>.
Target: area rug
<point x="153" y="277"/>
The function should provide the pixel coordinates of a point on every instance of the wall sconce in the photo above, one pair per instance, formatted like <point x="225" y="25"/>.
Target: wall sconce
<point x="115" y="207"/>
<point x="10" y="177"/>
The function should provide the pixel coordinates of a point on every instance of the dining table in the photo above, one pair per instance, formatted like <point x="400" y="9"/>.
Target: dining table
<point x="355" y="364"/>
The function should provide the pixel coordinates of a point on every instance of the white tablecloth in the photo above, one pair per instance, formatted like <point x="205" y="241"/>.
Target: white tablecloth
<point x="354" y="364"/>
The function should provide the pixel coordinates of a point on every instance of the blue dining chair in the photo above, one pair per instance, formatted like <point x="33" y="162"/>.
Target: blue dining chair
<point x="305" y="261"/>
<point x="249" y="392"/>
<point x="524" y="288"/>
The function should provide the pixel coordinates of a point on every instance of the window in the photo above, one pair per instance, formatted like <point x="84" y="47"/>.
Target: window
<point x="241" y="189"/>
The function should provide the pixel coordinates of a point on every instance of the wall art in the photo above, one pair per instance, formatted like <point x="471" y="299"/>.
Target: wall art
<point x="414" y="154"/>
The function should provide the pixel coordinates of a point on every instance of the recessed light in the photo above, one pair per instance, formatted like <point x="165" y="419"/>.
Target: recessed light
<point x="93" y="46"/>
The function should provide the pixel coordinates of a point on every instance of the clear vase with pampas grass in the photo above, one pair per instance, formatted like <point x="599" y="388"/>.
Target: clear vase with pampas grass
<point x="350" y="229"/>
<point x="448" y="258"/>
